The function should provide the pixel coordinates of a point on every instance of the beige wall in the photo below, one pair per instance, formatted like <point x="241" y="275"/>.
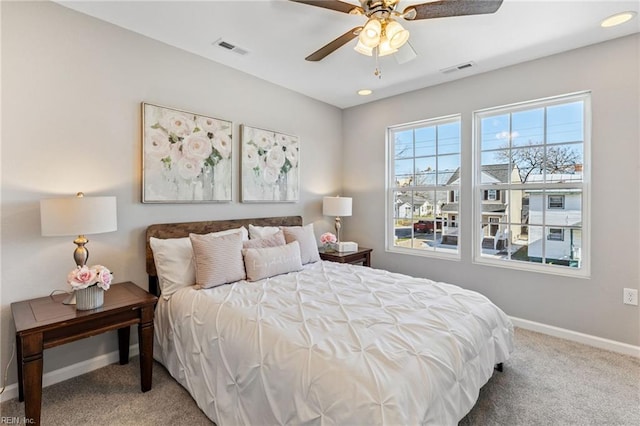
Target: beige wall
<point x="611" y="71"/>
<point x="71" y="93"/>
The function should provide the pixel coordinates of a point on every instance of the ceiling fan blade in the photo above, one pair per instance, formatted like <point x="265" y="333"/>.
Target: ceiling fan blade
<point x="334" y="45"/>
<point x="447" y="8"/>
<point x="340" y="6"/>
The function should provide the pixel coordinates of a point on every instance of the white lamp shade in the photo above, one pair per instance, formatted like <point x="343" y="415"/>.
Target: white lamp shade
<point x="384" y="48"/>
<point x="78" y="216"/>
<point x="336" y="206"/>
<point x="370" y="34"/>
<point x="361" y="48"/>
<point x="396" y="35"/>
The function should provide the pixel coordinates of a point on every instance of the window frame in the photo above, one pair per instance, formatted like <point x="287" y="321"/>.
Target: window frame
<point x="584" y="270"/>
<point x="391" y="188"/>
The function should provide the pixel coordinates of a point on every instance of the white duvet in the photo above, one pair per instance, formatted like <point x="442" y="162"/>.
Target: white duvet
<point x="332" y="344"/>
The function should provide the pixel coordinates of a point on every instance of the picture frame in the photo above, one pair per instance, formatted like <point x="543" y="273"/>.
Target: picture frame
<point x="186" y="157"/>
<point x="270" y="166"/>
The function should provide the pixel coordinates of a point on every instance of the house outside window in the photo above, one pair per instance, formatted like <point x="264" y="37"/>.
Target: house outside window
<point x="423" y="169"/>
<point x="555" y="234"/>
<point x="555" y="202"/>
<point x="534" y="157"/>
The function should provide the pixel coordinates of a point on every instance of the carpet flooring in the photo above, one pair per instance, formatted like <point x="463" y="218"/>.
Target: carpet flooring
<point x="547" y="381"/>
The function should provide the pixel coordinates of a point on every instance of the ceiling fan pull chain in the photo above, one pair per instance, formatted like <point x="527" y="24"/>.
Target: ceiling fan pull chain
<point x="378" y="71"/>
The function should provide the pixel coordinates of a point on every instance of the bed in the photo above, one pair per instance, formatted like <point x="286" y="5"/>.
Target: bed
<point x="328" y="344"/>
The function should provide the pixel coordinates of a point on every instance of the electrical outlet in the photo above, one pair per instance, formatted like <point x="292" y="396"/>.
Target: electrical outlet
<point x="630" y="296"/>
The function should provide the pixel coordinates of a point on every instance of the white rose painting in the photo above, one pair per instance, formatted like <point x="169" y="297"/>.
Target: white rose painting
<point x="186" y="157"/>
<point x="270" y="166"/>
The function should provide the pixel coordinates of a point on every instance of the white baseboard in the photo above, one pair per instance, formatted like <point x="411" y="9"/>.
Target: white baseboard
<point x="574" y="336"/>
<point x="71" y="371"/>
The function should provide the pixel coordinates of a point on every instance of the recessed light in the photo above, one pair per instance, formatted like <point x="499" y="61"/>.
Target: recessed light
<point x="617" y="19"/>
<point x="365" y="92"/>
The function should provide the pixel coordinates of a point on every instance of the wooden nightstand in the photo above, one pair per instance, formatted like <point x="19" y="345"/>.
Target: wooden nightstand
<point x="362" y="255"/>
<point x="45" y="322"/>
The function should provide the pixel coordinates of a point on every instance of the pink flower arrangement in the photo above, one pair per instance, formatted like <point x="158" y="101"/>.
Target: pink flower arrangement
<point x="83" y="277"/>
<point x="328" y="238"/>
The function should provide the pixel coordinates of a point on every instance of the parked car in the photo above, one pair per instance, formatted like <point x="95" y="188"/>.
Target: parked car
<point x="426" y="225"/>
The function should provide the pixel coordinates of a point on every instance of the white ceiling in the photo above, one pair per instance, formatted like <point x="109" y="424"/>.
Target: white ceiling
<point x="279" y="34"/>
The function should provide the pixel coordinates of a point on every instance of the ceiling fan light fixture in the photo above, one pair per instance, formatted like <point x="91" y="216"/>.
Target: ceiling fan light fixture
<point x="370" y="34"/>
<point x="385" y="48"/>
<point x="362" y="49"/>
<point x="396" y="34"/>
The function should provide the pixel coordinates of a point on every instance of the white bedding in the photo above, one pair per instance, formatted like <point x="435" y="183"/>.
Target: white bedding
<point x="332" y="344"/>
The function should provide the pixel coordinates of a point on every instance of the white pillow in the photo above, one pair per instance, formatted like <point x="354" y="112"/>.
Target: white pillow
<point x="174" y="260"/>
<point x="270" y="261"/>
<point x="218" y="259"/>
<point x="262" y="231"/>
<point x="174" y="264"/>
<point x="307" y="239"/>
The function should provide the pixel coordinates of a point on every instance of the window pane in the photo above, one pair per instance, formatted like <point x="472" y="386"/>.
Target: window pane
<point x="449" y="138"/>
<point x="404" y="172"/>
<point x="564" y="163"/>
<point x="425" y="141"/>
<point x="565" y="123"/>
<point x="496" y="173"/>
<point x="448" y="166"/>
<point x="425" y="171"/>
<point x="527" y="127"/>
<point x="494" y="132"/>
<point x="403" y="144"/>
<point x="571" y="212"/>
<point x="563" y="246"/>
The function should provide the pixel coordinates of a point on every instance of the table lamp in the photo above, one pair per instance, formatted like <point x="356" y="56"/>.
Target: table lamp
<point x="78" y="216"/>
<point x="336" y="206"/>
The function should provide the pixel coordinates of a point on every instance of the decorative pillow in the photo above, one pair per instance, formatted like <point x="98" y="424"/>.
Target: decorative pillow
<point x="270" y="261"/>
<point x="242" y="230"/>
<point x="262" y="231"/>
<point x="218" y="259"/>
<point x="307" y="239"/>
<point x="274" y="240"/>
<point x="174" y="264"/>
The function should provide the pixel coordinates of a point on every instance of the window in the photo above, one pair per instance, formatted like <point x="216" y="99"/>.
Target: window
<point x="533" y="158"/>
<point x="556" y="202"/>
<point x="555" y="234"/>
<point x="423" y="169"/>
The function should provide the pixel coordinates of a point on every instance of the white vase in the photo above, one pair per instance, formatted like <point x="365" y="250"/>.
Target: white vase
<point x="89" y="298"/>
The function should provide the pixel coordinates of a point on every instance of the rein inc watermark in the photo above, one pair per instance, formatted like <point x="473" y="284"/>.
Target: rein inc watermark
<point x="5" y="420"/>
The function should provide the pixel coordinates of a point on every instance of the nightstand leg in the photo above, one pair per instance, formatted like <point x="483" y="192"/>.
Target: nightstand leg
<point x="145" y="343"/>
<point x="31" y="360"/>
<point x="123" y="344"/>
<point x="19" y="363"/>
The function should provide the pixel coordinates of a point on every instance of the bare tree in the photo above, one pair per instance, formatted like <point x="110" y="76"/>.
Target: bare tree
<point x="532" y="159"/>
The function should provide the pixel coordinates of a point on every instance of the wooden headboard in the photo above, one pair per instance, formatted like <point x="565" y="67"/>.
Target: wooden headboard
<point x="180" y="230"/>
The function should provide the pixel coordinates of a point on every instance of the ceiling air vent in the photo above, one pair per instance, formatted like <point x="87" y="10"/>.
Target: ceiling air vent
<point x="230" y="47"/>
<point x="457" y="67"/>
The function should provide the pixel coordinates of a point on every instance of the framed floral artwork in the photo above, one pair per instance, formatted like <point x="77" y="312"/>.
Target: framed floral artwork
<point x="187" y="157"/>
<point x="270" y="166"/>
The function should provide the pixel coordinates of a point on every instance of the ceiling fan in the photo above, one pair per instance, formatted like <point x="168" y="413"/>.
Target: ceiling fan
<point x="382" y="34"/>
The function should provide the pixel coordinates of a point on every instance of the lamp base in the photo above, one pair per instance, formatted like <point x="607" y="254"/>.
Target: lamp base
<point x="71" y="300"/>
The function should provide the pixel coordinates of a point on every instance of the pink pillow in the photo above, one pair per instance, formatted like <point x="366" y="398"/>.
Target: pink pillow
<point x="218" y="259"/>
<point x="274" y="240"/>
